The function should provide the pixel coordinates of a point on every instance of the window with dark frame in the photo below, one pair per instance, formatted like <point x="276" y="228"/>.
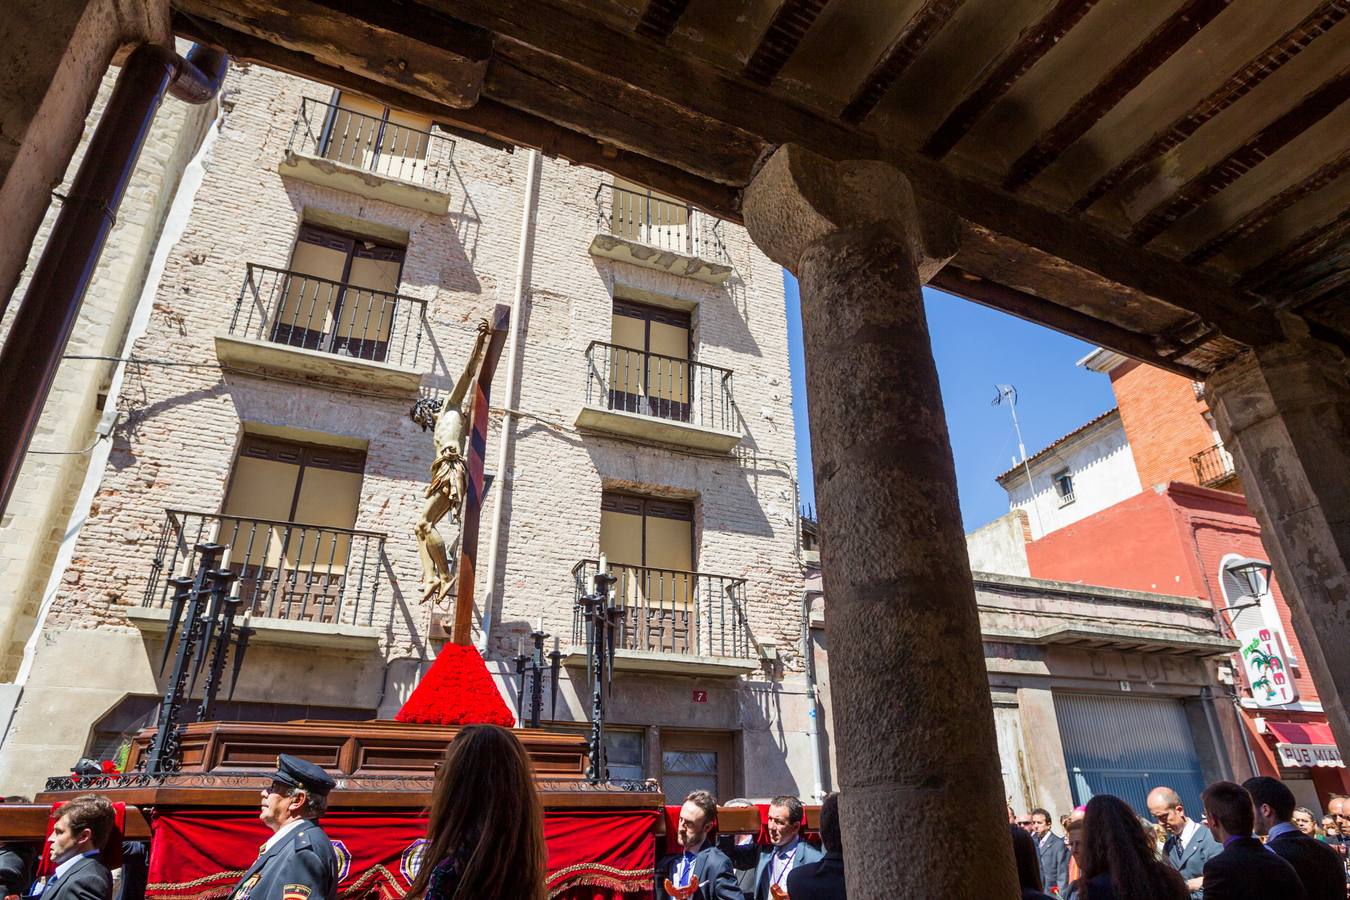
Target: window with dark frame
<point x="649" y="360"/>
<point x="649" y="544"/>
<point x="1064" y="486"/>
<point x="341" y="294"/>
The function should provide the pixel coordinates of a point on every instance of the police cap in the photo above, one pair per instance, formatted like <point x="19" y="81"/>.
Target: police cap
<point x="301" y="773"/>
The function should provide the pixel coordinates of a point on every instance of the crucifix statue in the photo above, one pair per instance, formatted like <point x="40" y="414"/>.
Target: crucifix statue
<point x="450" y="423"/>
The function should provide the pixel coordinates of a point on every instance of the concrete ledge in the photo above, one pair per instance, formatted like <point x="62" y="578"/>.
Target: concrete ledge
<point x="283" y="632"/>
<point x="259" y="357"/>
<point x="671" y="663"/>
<point x="629" y="424"/>
<point x="621" y="249"/>
<point x="363" y="183"/>
<point x="1106" y="637"/>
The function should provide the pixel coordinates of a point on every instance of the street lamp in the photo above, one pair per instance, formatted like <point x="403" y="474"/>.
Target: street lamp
<point x="1253" y="573"/>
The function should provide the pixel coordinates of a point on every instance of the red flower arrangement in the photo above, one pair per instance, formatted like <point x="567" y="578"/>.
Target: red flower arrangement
<point x="109" y="767"/>
<point x="457" y="690"/>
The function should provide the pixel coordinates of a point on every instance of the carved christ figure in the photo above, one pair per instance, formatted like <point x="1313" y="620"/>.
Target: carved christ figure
<point x="450" y="423"/>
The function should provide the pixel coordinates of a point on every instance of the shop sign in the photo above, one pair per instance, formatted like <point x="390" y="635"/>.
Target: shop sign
<point x="1309" y="755"/>
<point x="1267" y="675"/>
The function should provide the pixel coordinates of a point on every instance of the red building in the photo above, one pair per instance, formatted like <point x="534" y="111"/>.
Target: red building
<point x="1189" y="532"/>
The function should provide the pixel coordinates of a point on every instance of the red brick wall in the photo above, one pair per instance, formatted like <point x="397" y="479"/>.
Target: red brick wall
<point x="1169" y="542"/>
<point x="1163" y="421"/>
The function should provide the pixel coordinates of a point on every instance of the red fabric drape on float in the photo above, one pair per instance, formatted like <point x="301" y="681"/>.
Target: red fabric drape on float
<point x="592" y="854"/>
<point x="111" y="852"/>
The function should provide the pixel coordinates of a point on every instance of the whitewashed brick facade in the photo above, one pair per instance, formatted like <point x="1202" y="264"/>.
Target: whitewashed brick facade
<point x="182" y="424"/>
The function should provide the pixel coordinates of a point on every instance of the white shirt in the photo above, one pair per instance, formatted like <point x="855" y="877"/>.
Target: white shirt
<point x="280" y="833"/>
<point x="1188" y="831"/>
<point x="781" y="862"/>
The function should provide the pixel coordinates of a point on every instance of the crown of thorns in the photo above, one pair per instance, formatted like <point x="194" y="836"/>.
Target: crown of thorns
<point x="424" y="411"/>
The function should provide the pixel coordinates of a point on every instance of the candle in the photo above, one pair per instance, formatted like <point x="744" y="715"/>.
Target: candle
<point x="604" y="564"/>
<point x="540" y="627"/>
<point x="555" y="643"/>
<point x="520" y="646"/>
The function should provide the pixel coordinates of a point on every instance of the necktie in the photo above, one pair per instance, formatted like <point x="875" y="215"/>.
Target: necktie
<point x="687" y="868"/>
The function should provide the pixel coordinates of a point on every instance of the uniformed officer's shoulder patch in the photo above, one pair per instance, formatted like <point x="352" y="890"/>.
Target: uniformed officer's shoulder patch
<point x="296" y="892"/>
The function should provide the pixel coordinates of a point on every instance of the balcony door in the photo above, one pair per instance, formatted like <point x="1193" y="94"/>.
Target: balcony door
<point x="371" y="136"/>
<point x="640" y="214"/>
<point x="286" y="517"/>
<point x="649" y="364"/>
<point x="649" y="544"/>
<point x="341" y="294"/>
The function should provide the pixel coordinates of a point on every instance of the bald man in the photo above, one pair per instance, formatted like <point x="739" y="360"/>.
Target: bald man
<point x="1189" y="845"/>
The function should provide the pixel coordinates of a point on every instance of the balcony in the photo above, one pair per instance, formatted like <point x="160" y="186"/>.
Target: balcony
<point x="301" y="584"/>
<point x="370" y="156"/>
<point x="633" y="393"/>
<point x="325" y="331"/>
<point x="1213" y="466"/>
<point x="673" y="621"/>
<point x="660" y="233"/>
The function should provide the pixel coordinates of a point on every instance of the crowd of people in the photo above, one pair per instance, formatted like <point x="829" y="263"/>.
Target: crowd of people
<point x="1252" y="841"/>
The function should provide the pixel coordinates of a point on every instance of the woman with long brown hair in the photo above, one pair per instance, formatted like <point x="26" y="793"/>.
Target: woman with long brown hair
<point x="485" y="834"/>
<point x="1119" y="858"/>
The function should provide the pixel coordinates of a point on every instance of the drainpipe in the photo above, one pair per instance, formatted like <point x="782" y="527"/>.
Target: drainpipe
<point x="512" y="355"/>
<point x="812" y="697"/>
<point x="47" y="316"/>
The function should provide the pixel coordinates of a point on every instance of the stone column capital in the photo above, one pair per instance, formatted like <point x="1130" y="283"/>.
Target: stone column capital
<point x="800" y="198"/>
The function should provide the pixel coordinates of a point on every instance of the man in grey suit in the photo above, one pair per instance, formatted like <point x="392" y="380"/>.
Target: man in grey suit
<point x="1189" y="844"/>
<point x="76" y="841"/>
<point x="298" y="861"/>
<point x="786" y="852"/>
<point x="699" y="865"/>
<point x="1053" y="852"/>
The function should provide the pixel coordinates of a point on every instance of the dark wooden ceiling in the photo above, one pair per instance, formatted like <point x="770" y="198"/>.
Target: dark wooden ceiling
<point x="1157" y="176"/>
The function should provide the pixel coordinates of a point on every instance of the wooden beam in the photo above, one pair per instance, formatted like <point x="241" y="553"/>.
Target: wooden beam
<point x="598" y="99"/>
<point x="1262" y="214"/>
<point x="1311" y="109"/>
<point x="1237" y="86"/>
<point x="903" y="49"/>
<point x="490" y="119"/>
<point x="1129" y="73"/>
<point x="433" y="58"/>
<point x="781" y="38"/>
<point x="1272" y="276"/>
<point x="1033" y="43"/>
<point x="659" y="18"/>
<point x="953" y="280"/>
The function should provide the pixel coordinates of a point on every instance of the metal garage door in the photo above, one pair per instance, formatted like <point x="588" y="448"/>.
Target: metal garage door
<point x="1126" y="746"/>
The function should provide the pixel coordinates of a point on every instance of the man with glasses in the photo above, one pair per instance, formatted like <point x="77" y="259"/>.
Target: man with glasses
<point x="298" y="861"/>
<point x="1189" y="845"/>
<point x="1023" y="822"/>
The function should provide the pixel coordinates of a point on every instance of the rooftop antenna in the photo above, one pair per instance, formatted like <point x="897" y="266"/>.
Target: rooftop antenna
<point x="1008" y="393"/>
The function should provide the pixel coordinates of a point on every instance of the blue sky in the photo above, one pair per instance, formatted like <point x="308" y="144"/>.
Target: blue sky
<point x="976" y="348"/>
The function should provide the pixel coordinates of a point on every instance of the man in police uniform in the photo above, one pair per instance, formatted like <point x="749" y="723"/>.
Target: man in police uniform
<point x="298" y="861"/>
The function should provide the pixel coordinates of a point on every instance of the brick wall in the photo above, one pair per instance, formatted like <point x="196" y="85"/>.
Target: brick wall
<point x="181" y="424"/>
<point x="1164" y="421"/>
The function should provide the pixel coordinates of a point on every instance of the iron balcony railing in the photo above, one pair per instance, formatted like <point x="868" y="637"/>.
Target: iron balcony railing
<point x="661" y="387"/>
<point x="287" y="570"/>
<point x="302" y="310"/>
<point x="661" y="222"/>
<point x="671" y="611"/>
<point x="372" y="144"/>
<point x="1213" y="465"/>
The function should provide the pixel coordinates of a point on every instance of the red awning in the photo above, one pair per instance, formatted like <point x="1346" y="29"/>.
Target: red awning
<point x="1305" y="744"/>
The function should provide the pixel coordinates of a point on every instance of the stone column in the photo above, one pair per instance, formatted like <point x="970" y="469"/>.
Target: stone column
<point x="913" y="719"/>
<point x="1284" y="414"/>
<point x="53" y="55"/>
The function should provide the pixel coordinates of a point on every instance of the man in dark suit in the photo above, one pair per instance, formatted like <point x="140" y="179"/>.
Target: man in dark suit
<point x="1318" y="866"/>
<point x="1189" y="844"/>
<point x="76" y="841"/>
<point x="1053" y="852"/>
<point x="1245" y="870"/>
<point x="786" y="850"/>
<point x="822" y="880"/>
<point x="16" y="867"/>
<point x="699" y="862"/>
<point x="298" y="861"/>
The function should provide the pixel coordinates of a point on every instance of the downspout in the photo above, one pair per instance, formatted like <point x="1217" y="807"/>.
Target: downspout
<point x="47" y="315"/>
<point x="812" y="697"/>
<point x="512" y="358"/>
